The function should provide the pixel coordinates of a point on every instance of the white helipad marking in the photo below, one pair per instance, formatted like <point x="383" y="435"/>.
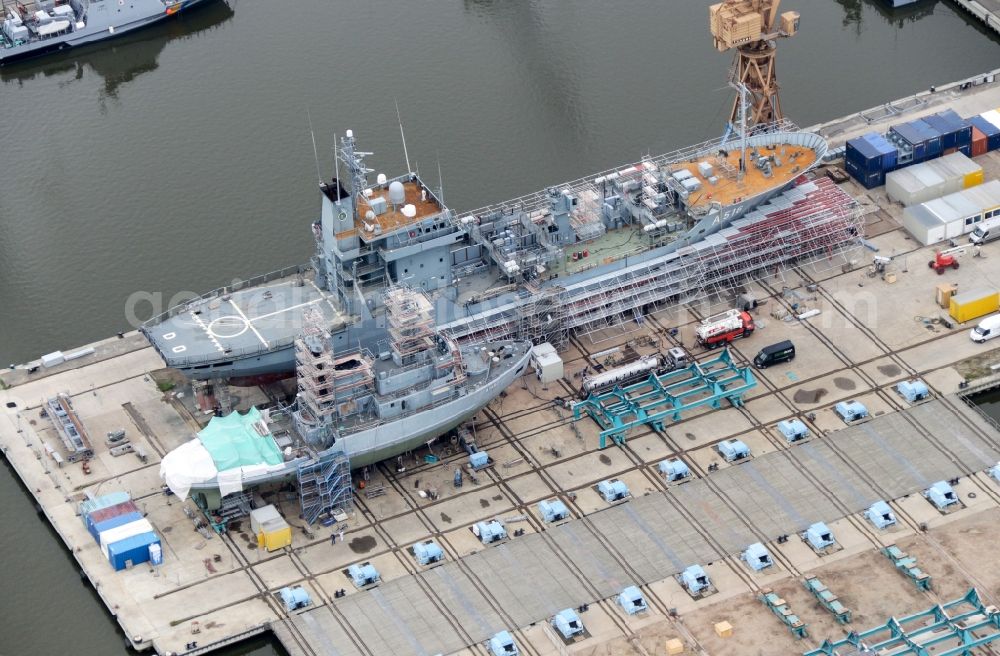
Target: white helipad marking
<point x="287" y="309"/>
<point x="228" y="327"/>
<point x="336" y="312"/>
<point x="211" y="337"/>
<point x="169" y="335"/>
<point x="179" y="349"/>
<point x="255" y="331"/>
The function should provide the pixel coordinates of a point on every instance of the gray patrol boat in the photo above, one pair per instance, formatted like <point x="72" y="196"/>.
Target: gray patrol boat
<point x="36" y="27"/>
<point x="581" y="254"/>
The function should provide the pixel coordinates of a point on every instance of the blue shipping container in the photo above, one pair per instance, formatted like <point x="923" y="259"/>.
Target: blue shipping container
<point x="873" y="180"/>
<point x="863" y="157"/>
<point x="883" y="146"/>
<point x="120" y="520"/>
<point x="963" y="132"/>
<point x="991" y="131"/>
<point x="915" y="138"/>
<point x="932" y="138"/>
<point x="954" y="131"/>
<point x="134" y="549"/>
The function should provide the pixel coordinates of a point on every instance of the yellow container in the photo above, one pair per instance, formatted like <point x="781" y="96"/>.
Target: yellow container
<point x="973" y="179"/>
<point x="974" y="304"/>
<point x="674" y="647"/>
<point x="275" y="540"/>
<point x="724" y="629"/>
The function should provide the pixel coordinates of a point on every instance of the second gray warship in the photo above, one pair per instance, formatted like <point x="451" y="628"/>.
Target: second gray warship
<point x="32" y="28"/>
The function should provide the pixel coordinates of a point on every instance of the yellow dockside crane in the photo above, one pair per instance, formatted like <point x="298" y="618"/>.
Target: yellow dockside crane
<point x="752" y="28"/>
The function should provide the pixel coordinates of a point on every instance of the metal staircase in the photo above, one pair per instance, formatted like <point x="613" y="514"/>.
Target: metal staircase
<point x="325" y="485"/>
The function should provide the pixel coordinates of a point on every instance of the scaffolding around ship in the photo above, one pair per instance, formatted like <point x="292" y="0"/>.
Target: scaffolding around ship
<point x="813" y="223"/>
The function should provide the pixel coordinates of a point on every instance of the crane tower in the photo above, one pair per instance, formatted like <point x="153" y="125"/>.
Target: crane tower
<point x="752" y="28"/>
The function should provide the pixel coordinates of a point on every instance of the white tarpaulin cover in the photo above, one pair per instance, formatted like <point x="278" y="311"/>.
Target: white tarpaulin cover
<point x="186" y="465"/>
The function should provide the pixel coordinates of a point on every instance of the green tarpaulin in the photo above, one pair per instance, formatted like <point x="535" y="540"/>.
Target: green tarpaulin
<point x="233" y="442"/>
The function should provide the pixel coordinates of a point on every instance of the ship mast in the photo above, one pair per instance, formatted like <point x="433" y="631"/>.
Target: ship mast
<point x="355" y="162"/>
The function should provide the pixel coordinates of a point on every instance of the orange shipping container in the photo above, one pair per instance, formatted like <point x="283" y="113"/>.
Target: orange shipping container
<point x="978" y="142"/>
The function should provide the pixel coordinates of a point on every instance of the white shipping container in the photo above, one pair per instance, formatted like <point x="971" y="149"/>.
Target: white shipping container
<point x="953" y="215"/>
<point x="929" y="180"/>
<point x="993" y="116"/>
<point x="925" y="226"/>
<point x="120" y="533"/>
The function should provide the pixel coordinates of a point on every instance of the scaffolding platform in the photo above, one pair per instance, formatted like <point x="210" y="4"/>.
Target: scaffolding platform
<point x="827" y="599"/>
<point x="954" y="628"/>
<point x="666" y="396"/>
<point x="908" y="566"/>
<point x="325" y="486"/>
<point x="780" y="608"/>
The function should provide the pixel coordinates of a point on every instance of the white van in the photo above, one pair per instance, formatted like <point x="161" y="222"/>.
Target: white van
<point x="988" y="230"/>
<point x="988" y="328"/>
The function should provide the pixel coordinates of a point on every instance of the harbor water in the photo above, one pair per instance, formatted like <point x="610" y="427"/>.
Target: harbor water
<point x="179" y="158"/>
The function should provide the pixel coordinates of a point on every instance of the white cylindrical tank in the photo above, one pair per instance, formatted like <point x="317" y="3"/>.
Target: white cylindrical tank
<point x="397" y="193"/>
<point x="642" y="366"/>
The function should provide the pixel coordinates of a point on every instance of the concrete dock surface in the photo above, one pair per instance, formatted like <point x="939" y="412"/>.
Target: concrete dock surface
<point x="869" y="335"/>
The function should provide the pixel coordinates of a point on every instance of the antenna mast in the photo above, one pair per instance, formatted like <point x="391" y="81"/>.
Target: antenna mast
<point x="319" y="176"/>
<point x="403" y="137"/>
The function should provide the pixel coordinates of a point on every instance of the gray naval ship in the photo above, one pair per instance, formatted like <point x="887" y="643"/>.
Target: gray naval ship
<point x="536" y="267"/>
<point x="411" y="385"/>
<point x="36" y="27"/>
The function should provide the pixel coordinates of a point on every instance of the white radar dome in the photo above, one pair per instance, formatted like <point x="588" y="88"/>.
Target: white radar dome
<point x="397" y="193"/>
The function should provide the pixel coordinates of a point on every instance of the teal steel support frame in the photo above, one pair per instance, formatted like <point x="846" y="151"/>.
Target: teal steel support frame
<point x="666" y="396"/>
<point x="946" y="635"/>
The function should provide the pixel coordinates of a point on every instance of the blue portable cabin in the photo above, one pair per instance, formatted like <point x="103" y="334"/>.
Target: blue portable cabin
<point x="733" y="450"/>
<point x="757" y="557"/>
<point x="294" y="598"/>
<point x="491" y="531"/>
<point x="991" y="131"/>
<point x="567" y="623"/>
<point x="479" y="459"/>
<point x="632" y="601"/>
<point x="119" y="520"/>
<point x="941" y="494"/>
<point x="851" y="410"/>
<point x="881" y="515"/>
<point x="613" y="490"/>
<point x="502" y="644"/>
<point x="819" y="536"/>
<point x="695" y="580"/>
<point x="363" y="575"/>
<point x="133" y="550"/>
<point x="674" y="469"/>
<point x="553" y="510"/>
<point x="428" y="552"/>
<point x="913" y="390"/>
<point x="793" y="429"/>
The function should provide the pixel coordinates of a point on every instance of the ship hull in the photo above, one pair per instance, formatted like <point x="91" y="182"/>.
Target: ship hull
<point x="92" y="33"/>
<point x="388" y="440"/>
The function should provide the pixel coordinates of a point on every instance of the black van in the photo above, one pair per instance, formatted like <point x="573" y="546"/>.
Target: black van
<point x="775" y="353"/>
